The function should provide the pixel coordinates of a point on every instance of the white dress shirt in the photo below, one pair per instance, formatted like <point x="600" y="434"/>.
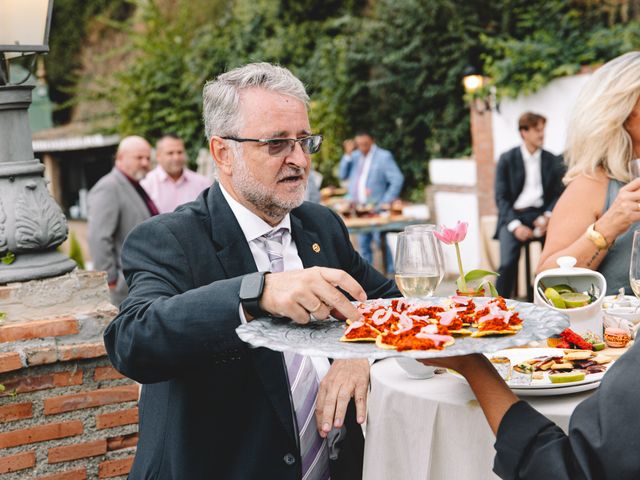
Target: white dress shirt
<point x="532" y="194"/>
<point x="362" y="180"/>
<point x="253" y="228"/>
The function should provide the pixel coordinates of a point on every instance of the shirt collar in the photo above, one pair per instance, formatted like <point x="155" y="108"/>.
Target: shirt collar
<point x="251" y="224"/>
<point x="371" y="152"/>
<point x="163" y="176"/>
<point x="526" y="156"/>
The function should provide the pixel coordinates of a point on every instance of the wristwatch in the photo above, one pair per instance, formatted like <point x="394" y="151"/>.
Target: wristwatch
<point x="596" y="237"/>
<point x="251" y="293"/>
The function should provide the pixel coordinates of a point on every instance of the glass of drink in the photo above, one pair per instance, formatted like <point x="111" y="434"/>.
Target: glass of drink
<point x="419" y="267"/>
<point x="634" y="168"/>
<point x="634" y="266"/>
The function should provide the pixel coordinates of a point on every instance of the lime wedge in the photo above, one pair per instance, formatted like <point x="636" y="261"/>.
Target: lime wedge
<point x="574" y="300"/>
<point x="562" y="288"/>
<point x="565" y="377"/>
<point x="598" y="346"/>
<point x="555" y="298"/>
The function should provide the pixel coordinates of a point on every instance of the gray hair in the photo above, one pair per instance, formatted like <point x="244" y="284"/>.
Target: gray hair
<point x="221" y="97"/>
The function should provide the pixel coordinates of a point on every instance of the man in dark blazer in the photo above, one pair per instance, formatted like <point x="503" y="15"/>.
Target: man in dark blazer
<point x="211" y="406"/>
<point x="528" y="184"/>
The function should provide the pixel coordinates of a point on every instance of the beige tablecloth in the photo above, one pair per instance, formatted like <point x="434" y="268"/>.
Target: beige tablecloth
<point x="434" y="429"/>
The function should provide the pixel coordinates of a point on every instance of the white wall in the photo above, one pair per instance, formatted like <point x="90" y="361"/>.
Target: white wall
<point x="453" y="206"/>
<point x="553" y="101"/>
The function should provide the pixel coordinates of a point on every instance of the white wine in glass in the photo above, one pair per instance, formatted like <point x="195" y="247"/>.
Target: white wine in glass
<point x="634" y="266"/>
<point x="418" y="265"/>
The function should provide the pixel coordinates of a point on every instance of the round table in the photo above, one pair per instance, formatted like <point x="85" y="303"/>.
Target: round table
<point x="434" y="428"/>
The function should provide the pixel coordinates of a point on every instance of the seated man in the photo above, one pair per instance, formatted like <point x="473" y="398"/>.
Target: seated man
<point x="527" y="186"/>
<point x="211" y="406"/>
<point x="374" y="178"/>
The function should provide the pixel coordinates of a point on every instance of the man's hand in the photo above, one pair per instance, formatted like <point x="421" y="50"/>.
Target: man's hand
<point x="345" y="379"/>
<point x="523" y="233"/>
<point x="349" y="146"/>
<point x="298" y="294"/>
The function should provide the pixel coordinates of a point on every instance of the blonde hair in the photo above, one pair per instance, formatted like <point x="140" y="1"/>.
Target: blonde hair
<point x="596" y="136"/>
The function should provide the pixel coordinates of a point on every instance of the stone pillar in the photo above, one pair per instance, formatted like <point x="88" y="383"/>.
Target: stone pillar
<point x="65" y="413"/>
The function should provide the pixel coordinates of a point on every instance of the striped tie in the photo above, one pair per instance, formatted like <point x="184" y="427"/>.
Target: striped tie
<point x="303" y="381"/>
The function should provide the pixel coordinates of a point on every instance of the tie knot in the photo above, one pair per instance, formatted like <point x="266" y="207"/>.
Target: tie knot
<point x="275" y="235"/>
<point x="273" y="244"/>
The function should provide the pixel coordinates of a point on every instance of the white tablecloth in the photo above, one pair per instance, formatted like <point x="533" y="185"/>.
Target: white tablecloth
<point x="434" y="429"/>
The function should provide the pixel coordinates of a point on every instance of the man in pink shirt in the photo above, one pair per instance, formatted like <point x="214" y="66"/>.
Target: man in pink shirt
<point x="171" y="183"/>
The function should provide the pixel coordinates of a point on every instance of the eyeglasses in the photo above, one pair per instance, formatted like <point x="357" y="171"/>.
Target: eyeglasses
<point x="281" y="147"/>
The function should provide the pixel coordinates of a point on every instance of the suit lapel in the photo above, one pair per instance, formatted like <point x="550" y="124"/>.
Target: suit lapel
<point x="518" y="173"/>
<point x="135" y="200"/>
<point x="546" y="172"/>
<point x="236" y="258"/>
<point x="310" y="249"/>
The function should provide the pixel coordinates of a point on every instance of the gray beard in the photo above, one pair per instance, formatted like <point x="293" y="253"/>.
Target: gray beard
<point x="260" y="196"/>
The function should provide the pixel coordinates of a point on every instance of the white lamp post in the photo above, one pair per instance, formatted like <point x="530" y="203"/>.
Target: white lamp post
<point x="32" y="225"/>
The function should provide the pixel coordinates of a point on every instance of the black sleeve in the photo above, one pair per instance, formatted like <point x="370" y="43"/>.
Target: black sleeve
<point x="504" y="200"/>
<point x="166" y="326"/>
<point x="559" y="170"/>
<point x="603" y="440"/>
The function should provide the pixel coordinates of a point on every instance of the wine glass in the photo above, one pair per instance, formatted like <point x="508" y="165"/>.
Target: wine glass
<point x="634" y="266"/>
<point x="419" y="267"/>
<point x="634" y="168"/>
<point x="427" y="227"/>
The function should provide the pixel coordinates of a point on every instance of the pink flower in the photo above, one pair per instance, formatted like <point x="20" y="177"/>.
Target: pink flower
<point x="452" y="235"/>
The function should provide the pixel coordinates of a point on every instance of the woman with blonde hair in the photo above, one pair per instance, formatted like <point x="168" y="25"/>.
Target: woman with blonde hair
<point x="594" y="218"/>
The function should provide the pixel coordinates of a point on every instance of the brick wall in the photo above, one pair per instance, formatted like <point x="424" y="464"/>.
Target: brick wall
<point x="65" y="413"/>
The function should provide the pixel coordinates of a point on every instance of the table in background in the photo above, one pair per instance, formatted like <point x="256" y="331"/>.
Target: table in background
<point x="382" y="225"/>
<point x="435" y="429"/>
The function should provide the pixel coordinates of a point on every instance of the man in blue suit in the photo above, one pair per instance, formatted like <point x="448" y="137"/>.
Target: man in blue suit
<point x="374" y="178"/>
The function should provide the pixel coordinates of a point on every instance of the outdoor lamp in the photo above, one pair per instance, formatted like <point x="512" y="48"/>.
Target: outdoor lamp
<point x="24" y="30"/>
<point x="32" y="224"/>
<point x="473" y="81"/>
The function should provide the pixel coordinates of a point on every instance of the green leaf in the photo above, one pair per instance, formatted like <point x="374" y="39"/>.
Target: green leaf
<point x="3" y="316"/>
<point x="9" y="258"/>
<point x="477" y="274"/>
<point x="459" y="283"/>
<point x="492" y="289"/>
<point x="1" y="388"/>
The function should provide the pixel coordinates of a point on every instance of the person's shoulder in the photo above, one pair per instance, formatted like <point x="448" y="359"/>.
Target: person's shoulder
<point x="511" y="153"/>
<point x="196" y="177"/>
<point x="315" y="213"/>
<point x="585" y="185"/>
<point x="106" y="182"/>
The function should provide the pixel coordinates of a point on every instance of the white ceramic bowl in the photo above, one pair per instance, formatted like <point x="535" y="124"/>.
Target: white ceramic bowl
<point x="414" y="368"/>
<point x="629" y="308"/>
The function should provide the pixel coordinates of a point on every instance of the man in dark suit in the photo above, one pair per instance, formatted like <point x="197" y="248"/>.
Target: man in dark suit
<point x="527" y="186"/>
<point x="211" y="406"/>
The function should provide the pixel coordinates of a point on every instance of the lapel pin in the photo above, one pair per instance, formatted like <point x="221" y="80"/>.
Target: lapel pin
<point x="315" y="247"/>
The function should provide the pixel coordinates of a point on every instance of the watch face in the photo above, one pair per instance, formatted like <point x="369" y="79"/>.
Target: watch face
<point x="251" y="286"/>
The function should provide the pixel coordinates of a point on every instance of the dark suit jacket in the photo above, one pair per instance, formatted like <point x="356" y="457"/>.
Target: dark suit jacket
<point x="509" y="183"/>
<point x="211" y="407"/>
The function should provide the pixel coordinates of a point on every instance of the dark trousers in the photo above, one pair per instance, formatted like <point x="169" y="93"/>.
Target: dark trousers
<point x="510" y="253"/>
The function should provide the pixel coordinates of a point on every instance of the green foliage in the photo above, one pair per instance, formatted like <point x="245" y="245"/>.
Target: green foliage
<point x="552" y="39"/>
<point x="75" y="251"/>
<point x="8" y="258"/>
<point x="70" y="24"/>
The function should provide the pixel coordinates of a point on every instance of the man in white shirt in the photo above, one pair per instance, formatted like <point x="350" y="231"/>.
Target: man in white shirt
<point x="211" y="406"/>
<point x="527" y="185"/>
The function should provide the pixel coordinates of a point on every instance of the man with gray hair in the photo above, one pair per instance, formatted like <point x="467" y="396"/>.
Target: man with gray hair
<point x="211" y="406"/>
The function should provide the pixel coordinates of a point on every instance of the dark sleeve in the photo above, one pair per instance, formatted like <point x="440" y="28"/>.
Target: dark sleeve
<point x="603" y="440"/>
<point x="559" y="169"/>
<point x="504" y="200"/>
<point x="166" y="327"/>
